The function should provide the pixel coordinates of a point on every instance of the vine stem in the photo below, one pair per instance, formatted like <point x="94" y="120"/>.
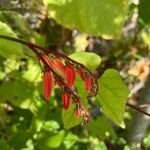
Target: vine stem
<point x="137" y="108"/>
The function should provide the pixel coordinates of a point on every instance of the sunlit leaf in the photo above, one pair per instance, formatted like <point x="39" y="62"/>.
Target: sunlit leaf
<point x="9" y="48"/>
<point x="50" y="125"/>
<point x="112" y="95"/>
<point x="70" y="140"/>
<point x="96" y="17"/>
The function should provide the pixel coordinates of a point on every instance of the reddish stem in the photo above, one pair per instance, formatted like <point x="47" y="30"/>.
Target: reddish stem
<point x="137" y="108"/>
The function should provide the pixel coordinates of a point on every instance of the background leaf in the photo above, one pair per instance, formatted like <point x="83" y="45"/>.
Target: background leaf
<point x="8" y="48"/>
<point x="88" y="15"/>
<point x="70" y="140"/>
<point x="50" y="141"/>
<point x="112" y="95"/>
<point x="24" y="89"/>
<point x="144" y="12"/>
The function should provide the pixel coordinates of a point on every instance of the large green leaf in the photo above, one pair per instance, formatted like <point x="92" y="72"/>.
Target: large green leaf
<point x="9" y="48"/>
<point x="112" y="95"/>
<point x="96" y="17"/>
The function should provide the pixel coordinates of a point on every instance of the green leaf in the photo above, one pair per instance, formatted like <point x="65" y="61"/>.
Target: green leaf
<point x="86" y="58"/>
<point x="21" y="93"/>
<point x="33" y="74"/>
<point x="70" y="140"/>
<point x="9" y="48"/>
<point x="24" y="90"/>
<point x="69" y="119"/>
<point x="55" y="141"/>
<point x="19" y="139"/>
<point x="112" y="95"/>
<point x="144" y="11"/>
<point x="96" y="17"/>
<point x="101" y="127"/>
<point x="50" y="125"/>
<point x="3" y="144"/>
<point x="47" y="141"/>
<point x="101" y="145"/>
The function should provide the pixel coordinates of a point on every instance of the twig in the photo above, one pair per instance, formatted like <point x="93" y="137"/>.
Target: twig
<point x="137" y="108"/>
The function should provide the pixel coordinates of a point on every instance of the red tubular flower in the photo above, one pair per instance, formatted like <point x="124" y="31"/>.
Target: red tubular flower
<point x="77" y="111"/>
<point x="66" y="100"/>
<point x="56" y="64"/>
<point x="88" y="83"/>
<point x="70" y="75"/>
<point x="48" y="84"/>
<point x="47" y="59"/>
<point x="59" y="66"/>
<point x="81" y="74"/>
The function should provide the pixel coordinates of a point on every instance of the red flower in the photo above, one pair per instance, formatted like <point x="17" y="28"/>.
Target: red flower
<point x="59" y="66"/>
<point x="48" y="84"/>
<point x="56" y="64"/>
<point x="88" y="83"/>
<point x="77" y="111"/>
<point x="66" y="100"/>
<point x="47" y="60"/>
<point x="81" y="74"/>
<point x="70" y="75"/>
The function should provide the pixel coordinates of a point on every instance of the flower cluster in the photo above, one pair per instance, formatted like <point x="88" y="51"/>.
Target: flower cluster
<point x="61" y="70"/>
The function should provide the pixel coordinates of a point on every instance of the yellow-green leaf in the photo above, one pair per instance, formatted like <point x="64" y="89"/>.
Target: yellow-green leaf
<point x="112" y="96"/>
<point x="96" y="17"/>
<point x="9" y="48"/>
